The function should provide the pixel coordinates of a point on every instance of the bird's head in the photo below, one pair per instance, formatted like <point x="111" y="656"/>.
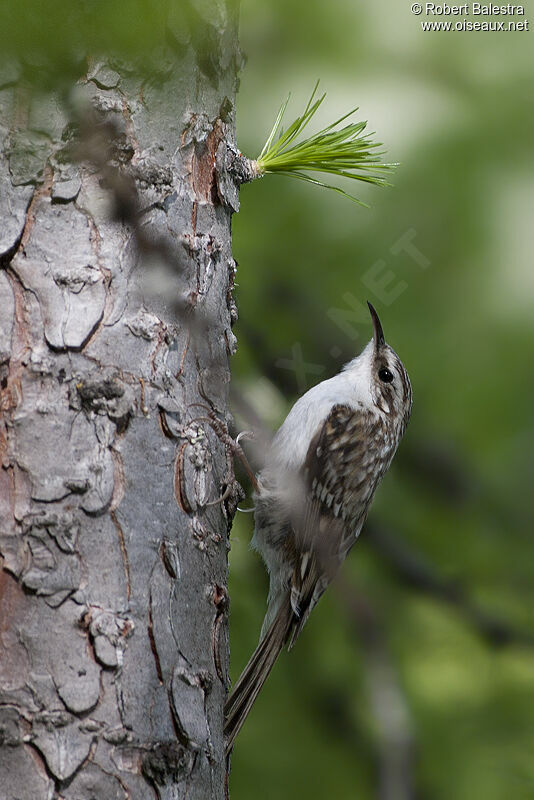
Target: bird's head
<point x="381" y="378"/>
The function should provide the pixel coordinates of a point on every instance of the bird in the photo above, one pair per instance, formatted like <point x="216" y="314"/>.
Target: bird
<point x="313" y="495"/>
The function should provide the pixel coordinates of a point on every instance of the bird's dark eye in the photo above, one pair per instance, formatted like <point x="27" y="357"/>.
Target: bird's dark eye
<point x="385" y="375"/>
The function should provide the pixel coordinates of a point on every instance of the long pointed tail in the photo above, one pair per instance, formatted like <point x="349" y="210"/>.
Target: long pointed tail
<point x="255" y="674"/>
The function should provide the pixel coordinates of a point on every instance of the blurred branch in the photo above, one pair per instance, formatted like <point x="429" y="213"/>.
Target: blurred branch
<point x="393" y="731"/>
<point x="412" y="569"/>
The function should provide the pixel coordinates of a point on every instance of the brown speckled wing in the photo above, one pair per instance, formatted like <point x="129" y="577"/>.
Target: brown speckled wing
<point x="340" y="477"/>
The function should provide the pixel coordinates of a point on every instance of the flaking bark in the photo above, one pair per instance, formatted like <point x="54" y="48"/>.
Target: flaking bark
<point x="116" y="485"/>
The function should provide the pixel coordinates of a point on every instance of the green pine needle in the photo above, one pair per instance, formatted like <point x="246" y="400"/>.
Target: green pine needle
<point x="345" y="152"/>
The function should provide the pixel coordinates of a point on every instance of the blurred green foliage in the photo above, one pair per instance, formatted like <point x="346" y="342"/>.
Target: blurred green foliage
<point x="57" y="29"/>
<point x="456" y="110"/>
<point x="53" y="39"/>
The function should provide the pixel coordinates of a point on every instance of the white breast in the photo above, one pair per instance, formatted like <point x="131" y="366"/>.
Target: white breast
<point x="351" y="387"/>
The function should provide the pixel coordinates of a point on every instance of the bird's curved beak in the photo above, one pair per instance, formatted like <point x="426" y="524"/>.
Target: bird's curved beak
<point x="378" y="333"/>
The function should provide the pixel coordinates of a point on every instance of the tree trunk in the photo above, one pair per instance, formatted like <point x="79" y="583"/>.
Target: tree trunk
<point x="115" y="331"/>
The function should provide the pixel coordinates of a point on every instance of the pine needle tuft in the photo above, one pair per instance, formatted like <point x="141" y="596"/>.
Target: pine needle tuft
<point x="346" y="152"/>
